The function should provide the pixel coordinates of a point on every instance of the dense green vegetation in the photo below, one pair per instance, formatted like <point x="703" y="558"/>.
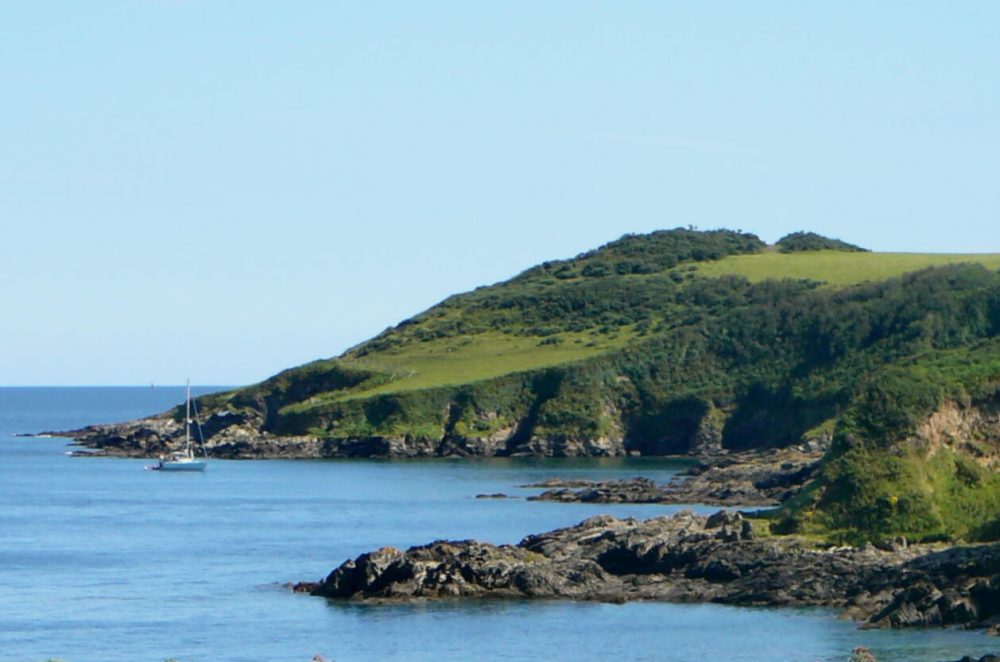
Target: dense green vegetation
<point x="798" y="242"/>
<point x="681" y="340"/>
<point x="648" y="254"/>
<point x="884" y="477"/>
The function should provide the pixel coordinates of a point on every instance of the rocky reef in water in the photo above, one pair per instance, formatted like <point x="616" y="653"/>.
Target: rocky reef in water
<point x="750" y="478"/>
<point x="688" y="558"/>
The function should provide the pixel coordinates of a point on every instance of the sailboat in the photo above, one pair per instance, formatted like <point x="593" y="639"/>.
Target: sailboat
<point x="183" y="460"/>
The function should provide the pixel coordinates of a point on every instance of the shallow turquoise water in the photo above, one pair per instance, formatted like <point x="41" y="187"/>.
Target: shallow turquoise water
<point x="100" y="560"/>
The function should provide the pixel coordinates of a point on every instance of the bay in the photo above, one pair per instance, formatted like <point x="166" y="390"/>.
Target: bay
<point x="101" y="560"/>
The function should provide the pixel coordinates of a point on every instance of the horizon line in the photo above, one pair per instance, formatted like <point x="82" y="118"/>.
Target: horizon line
<point x="148" y="386"/>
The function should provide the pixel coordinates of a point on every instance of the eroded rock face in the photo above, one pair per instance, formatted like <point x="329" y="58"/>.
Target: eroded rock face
<point x="973" y="430"/>
<point x="708" y="437"/>
<point x="568" y="447"/>
<point x="686" y="558"/>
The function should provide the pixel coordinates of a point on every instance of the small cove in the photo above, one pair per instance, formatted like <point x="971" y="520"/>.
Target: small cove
<point x="101" y="560"/>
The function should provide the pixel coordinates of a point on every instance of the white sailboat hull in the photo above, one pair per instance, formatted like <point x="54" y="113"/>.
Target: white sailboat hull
<point x="182" y="465"/>
<point x="183" y="460"/>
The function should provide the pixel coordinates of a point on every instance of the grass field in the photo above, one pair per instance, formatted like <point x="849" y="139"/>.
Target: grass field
<point x="454" y="361"/>
<point x="836" y="268"/>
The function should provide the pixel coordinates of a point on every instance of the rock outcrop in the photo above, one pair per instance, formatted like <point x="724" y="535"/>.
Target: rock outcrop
<point x="975" y="431"/>
<point x="686" y="558"/>
<point x="226" y="435"/>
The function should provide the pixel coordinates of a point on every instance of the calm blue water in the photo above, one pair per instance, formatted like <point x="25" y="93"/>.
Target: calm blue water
<point x="100" y="560"/>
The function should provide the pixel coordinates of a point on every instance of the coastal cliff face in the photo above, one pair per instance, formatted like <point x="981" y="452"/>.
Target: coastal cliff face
<point x="244" y="434"/>
<point x="973" y="430"/>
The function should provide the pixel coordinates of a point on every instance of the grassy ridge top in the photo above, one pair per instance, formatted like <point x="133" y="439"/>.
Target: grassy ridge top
<point x="836" y="268"/>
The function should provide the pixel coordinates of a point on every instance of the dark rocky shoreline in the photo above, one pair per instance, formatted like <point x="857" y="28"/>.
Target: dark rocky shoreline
<point x="688" y="558"/>
<point x="752" y="478"/>
<point x="226" y="436"/>
<point x="246" y="434"/>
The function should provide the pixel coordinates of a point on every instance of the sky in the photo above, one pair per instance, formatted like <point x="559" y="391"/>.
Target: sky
<point x="220" y="190"/>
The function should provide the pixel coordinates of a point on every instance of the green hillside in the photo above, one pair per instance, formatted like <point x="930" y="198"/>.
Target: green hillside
<point x="691" y="342"/>
<point x="445" y="362"/>
<point x="465" y="340"/>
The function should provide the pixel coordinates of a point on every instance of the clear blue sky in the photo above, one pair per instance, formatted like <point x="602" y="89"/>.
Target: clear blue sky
<point x="222" y="190"/>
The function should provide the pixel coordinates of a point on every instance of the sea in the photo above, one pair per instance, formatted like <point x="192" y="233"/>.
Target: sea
<point x="101" y="560"/>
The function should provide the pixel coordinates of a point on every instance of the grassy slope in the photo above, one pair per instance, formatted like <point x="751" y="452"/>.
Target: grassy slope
<point x="454" y="361"/>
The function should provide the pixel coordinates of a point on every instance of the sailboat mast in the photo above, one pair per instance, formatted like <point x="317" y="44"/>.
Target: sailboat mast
<point x="187" y="421"/>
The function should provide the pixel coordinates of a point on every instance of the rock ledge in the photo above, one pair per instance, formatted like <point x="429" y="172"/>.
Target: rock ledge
<point x="687" y="558"/>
